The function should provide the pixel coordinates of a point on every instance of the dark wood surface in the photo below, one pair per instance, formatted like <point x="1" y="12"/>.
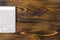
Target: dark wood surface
<point x="51" y="17"/>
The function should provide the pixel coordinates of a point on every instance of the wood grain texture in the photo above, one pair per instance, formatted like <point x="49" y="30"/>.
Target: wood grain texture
<point x="49" y="11"/>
